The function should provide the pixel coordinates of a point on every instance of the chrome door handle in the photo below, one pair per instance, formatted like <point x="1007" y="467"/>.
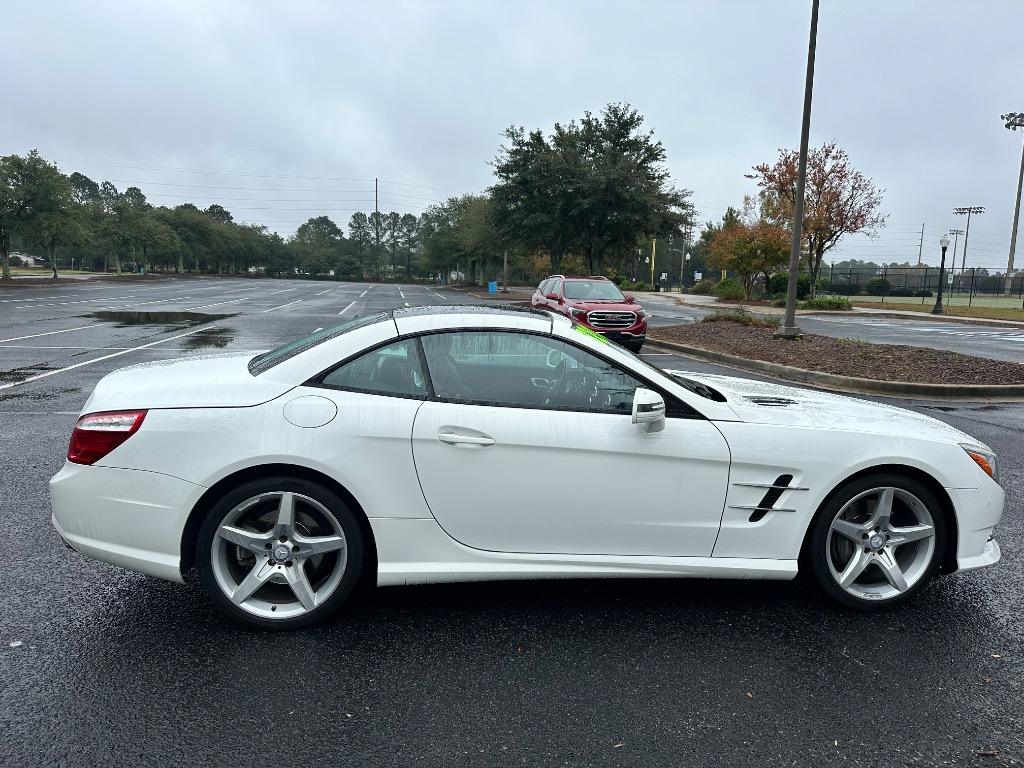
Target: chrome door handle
<point x="454" y="438"/>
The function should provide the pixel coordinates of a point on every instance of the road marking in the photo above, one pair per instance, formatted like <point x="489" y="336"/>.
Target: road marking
<point x="99" y="359"/>
<point x="439" y="295"/>
<point x="323" y="292"/>
<point x="364" y="293"/>
<point x="51" y="333"/>
<point x="284" y="290"/>
<point x="282" y="306"/>
<point x="317" y="329"/>
<point x="233" y="301"/>
<point x="346" y="309"/>
<point x="402" y="295"/>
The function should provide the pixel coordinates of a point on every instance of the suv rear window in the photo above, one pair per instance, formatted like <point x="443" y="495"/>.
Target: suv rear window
<point x="267" y="360"/>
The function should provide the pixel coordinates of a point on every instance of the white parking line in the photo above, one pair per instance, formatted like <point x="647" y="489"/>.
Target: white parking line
<point x="284" y="290"/>
<point x="297" y="301"/>
<point x="323" y="292"/>
<point x="50" y="333"/>
<point x="233" y="301"/>
<point x="346" y="309"/>
<point x="406" y="303"/>
<point x="401" y="294"/>
<point x="98" y="359"/>
<point x="364" y="293"/>
<point x="439" y="295"/>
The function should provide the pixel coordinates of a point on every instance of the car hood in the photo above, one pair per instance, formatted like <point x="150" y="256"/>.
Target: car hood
<point x="206" y="381"/>
<point x="760" y="402"/>
<point x="604" y="306"/>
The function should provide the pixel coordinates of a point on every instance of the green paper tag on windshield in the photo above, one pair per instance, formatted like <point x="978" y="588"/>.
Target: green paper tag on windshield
<point x="592" y="334"/>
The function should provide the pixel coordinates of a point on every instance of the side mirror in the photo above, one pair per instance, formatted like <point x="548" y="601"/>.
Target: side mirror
<point x="552" y="296"/>
<point x="630" y="298"/>
<point x="649" y="409"/>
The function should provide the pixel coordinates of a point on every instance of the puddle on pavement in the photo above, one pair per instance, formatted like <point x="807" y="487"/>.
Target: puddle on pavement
<point x="126" y="318"/>
<point x="209" y="338"/>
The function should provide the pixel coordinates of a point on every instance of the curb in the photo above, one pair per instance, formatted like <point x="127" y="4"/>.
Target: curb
<point x="836" y="383"/>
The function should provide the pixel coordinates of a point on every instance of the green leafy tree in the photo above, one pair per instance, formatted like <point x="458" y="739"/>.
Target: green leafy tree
<point x="319" y="245"/>
<point x="26" y="188"/>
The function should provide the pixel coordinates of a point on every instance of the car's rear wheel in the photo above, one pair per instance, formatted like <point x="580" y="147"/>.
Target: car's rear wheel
<point x="280" y="553"/>
<point x="876" y="541"/>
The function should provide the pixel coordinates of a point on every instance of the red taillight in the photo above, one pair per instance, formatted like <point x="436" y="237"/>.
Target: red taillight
<point x="97" y="434"/>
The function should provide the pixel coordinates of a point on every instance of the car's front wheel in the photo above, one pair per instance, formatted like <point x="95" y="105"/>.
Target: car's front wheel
<point x="876" y="541"/>
<point x="280" y="553"/>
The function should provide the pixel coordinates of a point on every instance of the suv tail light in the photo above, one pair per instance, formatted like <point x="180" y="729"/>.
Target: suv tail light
<point x="97" y="434"/>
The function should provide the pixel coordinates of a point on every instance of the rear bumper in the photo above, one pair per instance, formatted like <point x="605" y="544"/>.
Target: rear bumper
<point x="127" y="517"/>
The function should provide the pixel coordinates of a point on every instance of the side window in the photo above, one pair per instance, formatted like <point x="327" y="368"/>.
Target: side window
<point x="524" y="371"/>
<point x="556" y="286"/>
<point x="545" y="288"/>
<point x="394" y="369"/>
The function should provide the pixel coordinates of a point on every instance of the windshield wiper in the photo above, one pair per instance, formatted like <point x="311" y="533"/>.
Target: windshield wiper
<point x="699" y="388"/>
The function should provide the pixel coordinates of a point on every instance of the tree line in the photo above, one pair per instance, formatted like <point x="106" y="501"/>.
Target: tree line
<point x="590" y="196"/>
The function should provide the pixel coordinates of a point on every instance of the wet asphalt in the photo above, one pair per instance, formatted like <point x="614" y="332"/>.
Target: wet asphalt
<point x="102" y="666"/>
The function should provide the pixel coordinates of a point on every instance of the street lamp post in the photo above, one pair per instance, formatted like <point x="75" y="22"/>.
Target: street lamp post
<point x="956" y="238"/>
<point x="788" y="329"/>
<point x="1014" y="120"/>
<point x="937" y="309"/>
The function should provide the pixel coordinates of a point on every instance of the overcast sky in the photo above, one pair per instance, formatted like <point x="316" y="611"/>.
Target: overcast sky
<point x="285" y="110"/>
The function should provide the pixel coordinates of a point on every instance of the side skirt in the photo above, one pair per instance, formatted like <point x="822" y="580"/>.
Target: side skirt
<point x="418" y="551"/>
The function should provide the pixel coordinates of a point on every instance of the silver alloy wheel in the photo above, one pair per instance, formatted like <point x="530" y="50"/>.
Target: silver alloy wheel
<point x="880" y="543"/>
<point x="279" y="554"/>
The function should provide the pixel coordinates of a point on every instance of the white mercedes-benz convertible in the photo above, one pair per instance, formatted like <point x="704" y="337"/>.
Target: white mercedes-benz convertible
<point x="471" y="443"/>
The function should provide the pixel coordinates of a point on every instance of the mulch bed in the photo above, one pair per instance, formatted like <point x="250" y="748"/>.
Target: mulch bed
<point x="845" y="357"/>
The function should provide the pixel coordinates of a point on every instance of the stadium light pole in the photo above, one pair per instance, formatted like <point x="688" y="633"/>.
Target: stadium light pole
<point x="1014" y="120"/>
<point x="969" y="209"/>
<point x="788" y="329"/>
<point x="937" y="309"/>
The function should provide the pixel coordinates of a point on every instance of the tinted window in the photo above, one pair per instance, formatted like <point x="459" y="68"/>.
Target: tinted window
<point x="526" y="371"/>
<point x="268" y="360"/>
<point x="545" y="287"/>
<point x="391" y="370"/>
<point x="592" y="290"/>
<point x="556" y="286"/>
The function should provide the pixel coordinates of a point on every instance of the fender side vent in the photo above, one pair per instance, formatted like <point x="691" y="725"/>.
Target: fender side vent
<point x="781" y="485"/>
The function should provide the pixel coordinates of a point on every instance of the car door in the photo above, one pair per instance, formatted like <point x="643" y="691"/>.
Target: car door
<point x="529" y="446"/>
<point x="539" y="299"/>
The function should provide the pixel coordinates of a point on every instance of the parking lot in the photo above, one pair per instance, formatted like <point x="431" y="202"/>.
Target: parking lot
<point x="103" y="666"/>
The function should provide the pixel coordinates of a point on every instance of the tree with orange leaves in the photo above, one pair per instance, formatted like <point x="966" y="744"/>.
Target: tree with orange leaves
<point x="838" y="199"/>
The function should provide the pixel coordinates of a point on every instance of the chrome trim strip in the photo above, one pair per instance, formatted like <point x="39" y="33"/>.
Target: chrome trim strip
<point x="755" y="508"/>
<point x="769" y="485"/>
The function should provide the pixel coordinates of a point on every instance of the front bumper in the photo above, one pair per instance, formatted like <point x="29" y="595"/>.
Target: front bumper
<point x="127" y="517"/>
<point x="978" y="512"/>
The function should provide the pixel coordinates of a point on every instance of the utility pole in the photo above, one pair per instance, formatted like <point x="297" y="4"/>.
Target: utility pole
<point x="682" y="256"/>
<point x="504" y="272"/>
<point x="376" y="217"/>
<point x="960" y="212"/>
<point x="1014" y="120"/>
<point x="788" y="329"/>
<point x="956" y="238"/>
<point x="654" y="250"/>
<point x="920" y="245"/>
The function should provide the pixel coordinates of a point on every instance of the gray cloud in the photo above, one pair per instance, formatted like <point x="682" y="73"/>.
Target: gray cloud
<point x="323" y="97"/>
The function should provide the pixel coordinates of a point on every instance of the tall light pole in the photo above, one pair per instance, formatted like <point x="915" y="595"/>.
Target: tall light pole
<point x="1014" y="120"/>
<point x="788" y="329"/>
<point x="937" y="309"/>
<point x="967" y="233"/>
<point x="956" y="238"/>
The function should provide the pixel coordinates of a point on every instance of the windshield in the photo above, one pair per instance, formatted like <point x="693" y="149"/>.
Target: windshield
<point x="592" y="290"/>
<point x="691" y="384"/>
<point x="267" y="360"/>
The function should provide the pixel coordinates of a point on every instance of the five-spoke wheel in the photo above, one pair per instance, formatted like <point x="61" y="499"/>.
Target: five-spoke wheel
<point x="876" y="540"/>
<point x="280" y="553"/>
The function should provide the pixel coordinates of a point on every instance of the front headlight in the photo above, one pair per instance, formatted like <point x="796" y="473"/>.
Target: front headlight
<point x="640" y="314"/>
<point x="984" y="458"/>
<point x="579" y="314"/>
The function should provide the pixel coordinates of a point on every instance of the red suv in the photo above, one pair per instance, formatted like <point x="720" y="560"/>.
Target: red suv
<point x="597" y="303"/>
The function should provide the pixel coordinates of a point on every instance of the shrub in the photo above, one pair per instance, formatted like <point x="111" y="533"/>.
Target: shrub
<point x="779" y="283"/>
<point x="901" y="292"/>
<point x="924" y="293"/>
<point x="729" y="289"/>
<point x="877" y="286"/>
<point x="779" y="301"/>
<point x="703" y="286"/>
<point x="741" y="316"/>
<point x="827" y="303"/>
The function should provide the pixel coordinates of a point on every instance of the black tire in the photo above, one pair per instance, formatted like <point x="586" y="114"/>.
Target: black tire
<point x="816" y="554"/>
<point x="336" y="506"/>
<point x="634" y="346"/>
